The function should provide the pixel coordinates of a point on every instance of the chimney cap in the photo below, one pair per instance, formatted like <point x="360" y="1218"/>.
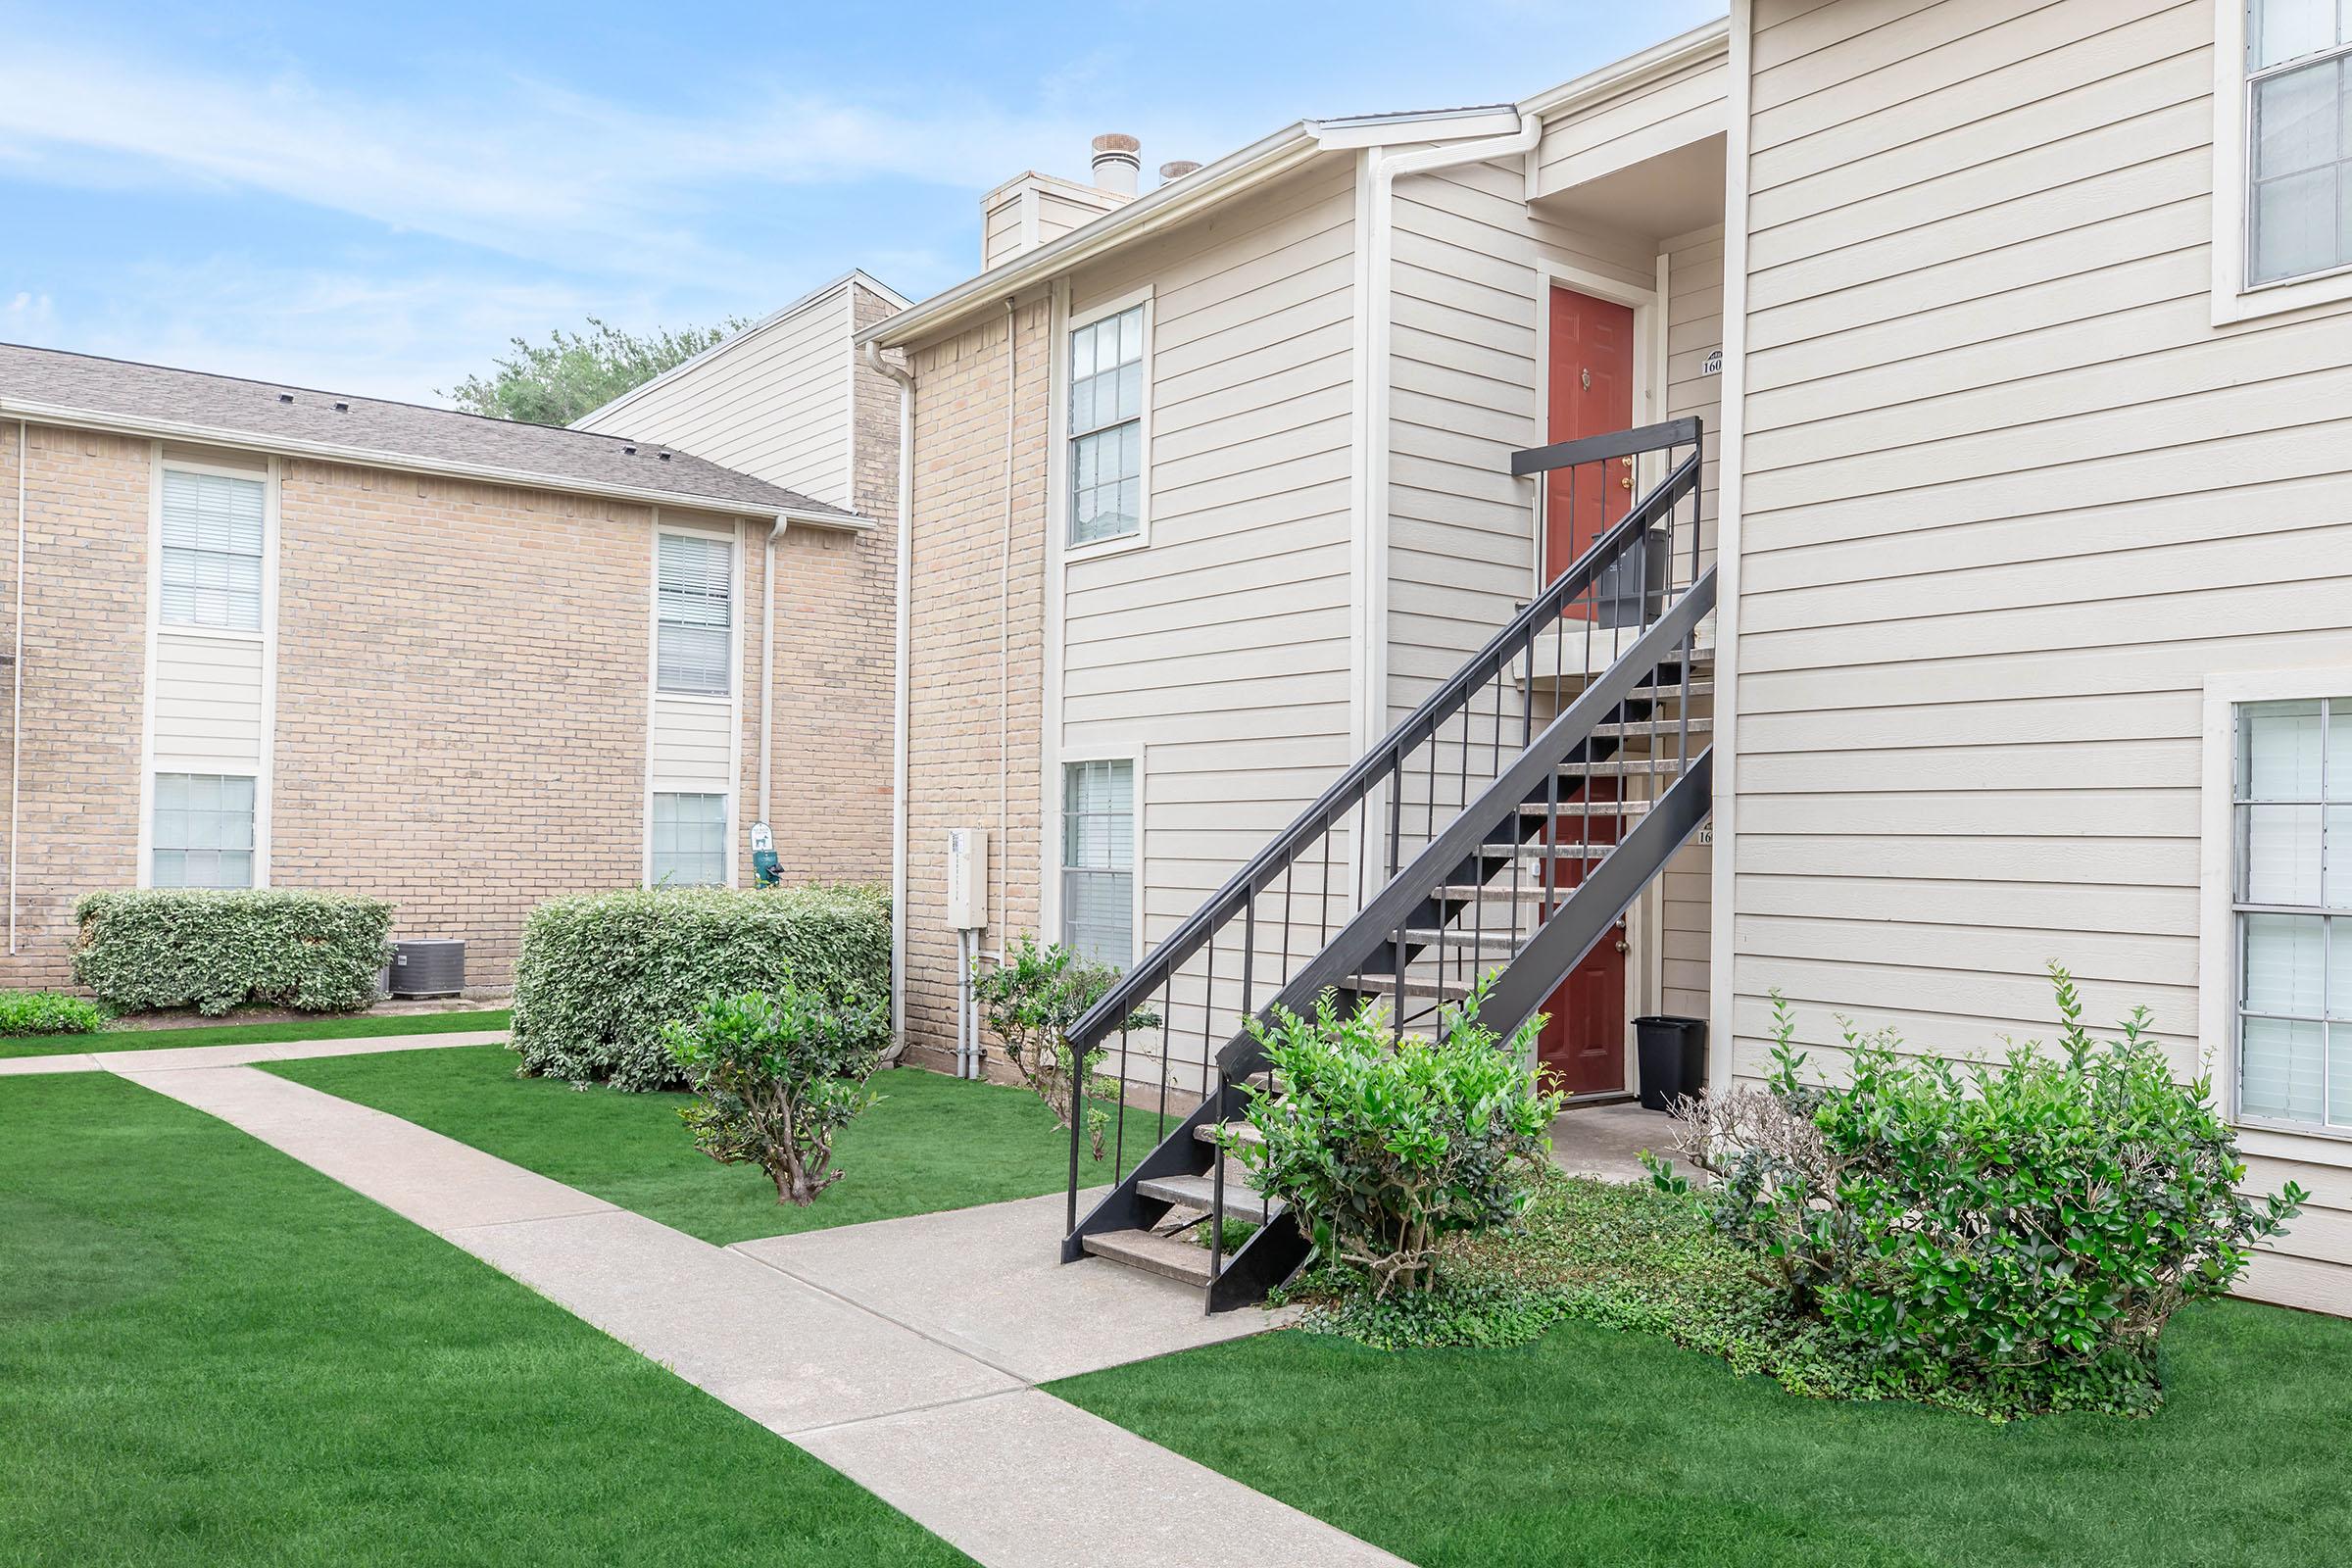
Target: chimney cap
<point x="1113" y="142"/>
<point x="1177" y="170"/>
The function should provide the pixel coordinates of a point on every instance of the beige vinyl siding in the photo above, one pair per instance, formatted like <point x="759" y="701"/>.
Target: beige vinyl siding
<point x="1001" y="237"/>
<point x="690" y="740"/>
<point x="1220" y="649"/>
<point x="775" y="402"/>
<point x="2009" y="500"/>
<point x="1652" y="118"/>
<point x="1057" y="214"/>
<point x="208" y="703"/>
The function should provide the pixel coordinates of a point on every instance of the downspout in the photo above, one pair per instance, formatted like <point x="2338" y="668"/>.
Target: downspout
<point x="15" y="713"/>
<point x="767" y="666"/>
<point x="1380" y="244"/>
<point x="898" y="747"/>
<point x="1004" y="855"/>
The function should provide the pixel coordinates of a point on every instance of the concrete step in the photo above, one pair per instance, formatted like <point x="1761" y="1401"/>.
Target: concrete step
<point x="1664" y="729"/>
<point x="1200" y="1192"/>
<point x="1165" y="1255"/>
<point x="1596" y="809"/>
<point x="1207" y="1132"/>
<point x="1624" y="767"/>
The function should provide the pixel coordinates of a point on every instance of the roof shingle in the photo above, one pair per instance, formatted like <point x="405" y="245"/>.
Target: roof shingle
<point x="270" y="412"/>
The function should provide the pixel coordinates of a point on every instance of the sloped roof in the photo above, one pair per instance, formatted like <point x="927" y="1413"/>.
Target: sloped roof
<point x="192" y="404"/>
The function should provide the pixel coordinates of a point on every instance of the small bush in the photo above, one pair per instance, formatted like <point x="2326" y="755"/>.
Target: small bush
<point x="2012" y="1226"/>
<point x="214" y="951"/>
<point x="46" y="1012"/>
<point x="775" y="1079"/>
<point x="1030" y="1000"/>
<point x="602" y="976"/>
<point x="1385" y="1146"/>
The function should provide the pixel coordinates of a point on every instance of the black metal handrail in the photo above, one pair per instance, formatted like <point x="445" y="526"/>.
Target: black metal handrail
<point x="1344" y="829"/>
<point x="1368" y="771"/>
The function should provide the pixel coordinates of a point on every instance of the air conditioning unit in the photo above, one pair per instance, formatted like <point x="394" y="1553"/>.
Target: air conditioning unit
<point x="431" y="966"/>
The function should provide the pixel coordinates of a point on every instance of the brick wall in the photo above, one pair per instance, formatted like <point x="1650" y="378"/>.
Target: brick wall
<point x="974" y="713"/>
<point x="77" y="756"/>
<point x="461" y="697"/>
<point x="835" y="644"/>
<point x="460" y="701"/>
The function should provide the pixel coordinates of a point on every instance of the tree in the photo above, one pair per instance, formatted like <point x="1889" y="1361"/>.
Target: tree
<point x="573" y="373"/>
<point x="777" y="1077"/>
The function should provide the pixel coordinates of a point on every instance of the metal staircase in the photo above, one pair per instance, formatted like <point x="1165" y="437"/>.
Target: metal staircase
<point x="1504" y="823"/>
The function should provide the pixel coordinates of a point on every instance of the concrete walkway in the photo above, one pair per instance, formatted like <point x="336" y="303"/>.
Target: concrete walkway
<point x="902" y="1354"/>
<point x="164" y="1059"/>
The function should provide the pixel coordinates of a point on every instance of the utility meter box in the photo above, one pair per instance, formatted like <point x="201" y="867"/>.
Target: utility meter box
<point x="967" y="878"/>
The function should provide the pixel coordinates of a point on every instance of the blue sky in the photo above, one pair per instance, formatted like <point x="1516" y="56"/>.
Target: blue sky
<point x="375" y="200"/>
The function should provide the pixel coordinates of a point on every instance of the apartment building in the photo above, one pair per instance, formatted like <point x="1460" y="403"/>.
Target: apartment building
<point x="1984" y="496"/>
<point x="269" y="636"/>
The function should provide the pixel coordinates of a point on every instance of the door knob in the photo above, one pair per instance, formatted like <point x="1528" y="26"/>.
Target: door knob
<point x="1621" y="947"/>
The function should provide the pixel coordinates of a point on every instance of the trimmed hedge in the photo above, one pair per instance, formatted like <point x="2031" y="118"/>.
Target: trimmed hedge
<point x="214" y="951"/>
<point x="48" y="1013"/>
<point x="601" y="975"/>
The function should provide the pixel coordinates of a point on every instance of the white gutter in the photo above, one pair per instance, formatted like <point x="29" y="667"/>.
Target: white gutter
<point x="898" y="727"/>
<point x="1379" y="241"/>
<point x="371" y="458"/>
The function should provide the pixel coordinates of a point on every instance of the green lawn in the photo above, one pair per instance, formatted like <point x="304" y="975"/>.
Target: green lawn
<point x="1599" y="1447"/>
<point x="933" y="1142"/>
<point x="211" y="1355"/>
<point x="329" y="1027"/>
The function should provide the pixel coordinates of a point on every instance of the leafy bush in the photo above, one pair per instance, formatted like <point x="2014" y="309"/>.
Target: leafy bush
<point x="1384" y="1145"/>
<point x="48" y="1013"/>
<point x="217" y="950"/>
<point x="602" y="976"/>
<point x="1998" y="1225"/>
<point x="776" y="1079"/>
<point x="1029" y="1000"/>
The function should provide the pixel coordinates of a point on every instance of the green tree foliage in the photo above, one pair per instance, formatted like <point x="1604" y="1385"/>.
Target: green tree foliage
<point x="1384" y="1145"/>
<point x="576" y="373"/>
<point x="1029" y="1000"/>
<point x="2019" y="1221"/>
<point x="775" y="1076"/>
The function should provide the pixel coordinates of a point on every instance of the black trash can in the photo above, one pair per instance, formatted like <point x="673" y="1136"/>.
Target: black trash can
<point x="1672" y="1058"/>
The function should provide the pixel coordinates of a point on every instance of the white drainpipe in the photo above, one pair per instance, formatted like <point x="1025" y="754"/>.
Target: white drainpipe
<point x="898" y="753"/>
<point x="15" y="714"/>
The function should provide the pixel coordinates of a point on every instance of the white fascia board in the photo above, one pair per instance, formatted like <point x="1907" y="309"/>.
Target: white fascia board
<point x="1171" y="203"/>
<point x="1359" y="131"/>
<point x="1714" y="38"/>
<point x="371" y="458"/>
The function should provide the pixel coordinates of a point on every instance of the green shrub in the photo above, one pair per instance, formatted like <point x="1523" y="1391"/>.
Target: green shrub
<point x="210" y="950"/>
<point x="1029" y="1000"/>
<point x="46" y="1012"/>
<point x="775" y="1079"/>
<point x="2002" y="1225"/>
<point x="1385" y="1146"/>
<point x="602" y="976"/>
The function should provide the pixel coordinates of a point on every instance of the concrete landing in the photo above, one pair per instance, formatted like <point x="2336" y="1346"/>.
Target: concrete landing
<point x="1606" y="1141"/>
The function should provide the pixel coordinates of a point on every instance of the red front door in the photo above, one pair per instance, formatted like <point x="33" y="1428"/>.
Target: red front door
<point x="1591" y="382"/>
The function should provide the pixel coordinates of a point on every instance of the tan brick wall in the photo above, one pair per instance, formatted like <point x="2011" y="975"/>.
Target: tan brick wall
<point x="85" y="651"/>
<point x="462" y="691"/>
<point x="974" y="716"/>
<point x="835" y="644"/>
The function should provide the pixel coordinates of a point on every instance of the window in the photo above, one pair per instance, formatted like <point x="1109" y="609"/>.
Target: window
<point x="1107" y="428"/>
<point x="2298" y="111"/>
<point x="690" y="841"/>
<point x="203" y="831"/>
<point x="694" y="645"/>
<point x="1098" y="861"/>
<point x="2292" y="808"/>
<point x="211" y="566"/>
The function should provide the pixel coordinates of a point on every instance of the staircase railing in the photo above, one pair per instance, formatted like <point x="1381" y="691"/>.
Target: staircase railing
<point x="1166" y="1031"/>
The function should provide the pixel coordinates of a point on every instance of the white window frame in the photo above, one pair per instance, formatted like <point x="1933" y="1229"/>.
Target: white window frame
<point x="726" y="829"/>
<point x="270" y="473"/>
<point x="1064" y="442"/>
<point x="1071" y="757"/>
<point x="732" y="541"/>
<point x="2218" y="957"/>
<point x="147" y="870"/>
<point x="2234" y="297"/>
